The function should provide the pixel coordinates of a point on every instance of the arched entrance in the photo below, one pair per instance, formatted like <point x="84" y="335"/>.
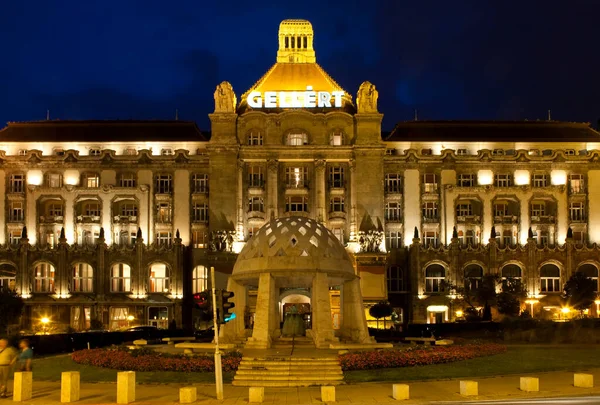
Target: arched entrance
<point x="298" y="298"/>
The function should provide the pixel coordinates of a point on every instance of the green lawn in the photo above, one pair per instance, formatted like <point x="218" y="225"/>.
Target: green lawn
<point x="518" y="359"/>
<point x="49" y="369"/>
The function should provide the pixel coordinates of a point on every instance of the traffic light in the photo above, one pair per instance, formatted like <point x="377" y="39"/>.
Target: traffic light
<point x="224" y="306"/>
<point x="202" y="300"/>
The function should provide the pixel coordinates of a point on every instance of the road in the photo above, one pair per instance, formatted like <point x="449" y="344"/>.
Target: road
<point x="561" y="400"/>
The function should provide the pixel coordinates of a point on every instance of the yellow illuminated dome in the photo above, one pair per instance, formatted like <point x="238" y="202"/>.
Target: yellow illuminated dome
<point x="296" y="67"/>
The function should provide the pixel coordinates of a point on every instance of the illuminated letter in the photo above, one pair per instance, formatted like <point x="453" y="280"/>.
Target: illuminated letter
<point x="295" y="102"/>
<point x="338" y="98"/>
<point x="270" y="99"/>
<point x="254" y="100"/>
<point x="310" y="98"/>
<point x="283" y="101"/>
<point x="324" y="99"/>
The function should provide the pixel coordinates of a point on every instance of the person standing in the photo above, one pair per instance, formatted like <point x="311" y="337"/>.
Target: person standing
<point x="7" y="358"/>
<point x="25" y="356"/>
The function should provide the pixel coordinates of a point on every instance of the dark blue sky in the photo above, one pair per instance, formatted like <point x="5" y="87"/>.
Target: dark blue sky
<point x="465" y="59"/>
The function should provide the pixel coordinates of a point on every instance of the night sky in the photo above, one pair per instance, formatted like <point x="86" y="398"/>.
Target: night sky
<point x="502" y="60"/>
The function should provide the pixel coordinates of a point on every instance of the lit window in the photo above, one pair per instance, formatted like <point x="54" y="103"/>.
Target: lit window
<point x="462" y="152"/>
<point x="576" y="183"/>
<point x="199" y="279"/>
<point x="297" y="139"/>
<point x="163" y="212"/>
<point x="83" y="278"/>
<point x="14" y="237"/>
<point x="199" y="239"/>
<point x="44" y="278"/>
<point x="200" y="212"/>
<point x="92" y="209"/>
<point x="434" y="278"/>
<point x="17" y="183"/>
<point x="91" y="180"/>
<point x="430" y="238"/>
<point x="53" y="180"/>
<point x="507" y="238"/>
<point x="550" y="278"/>
<point x="339" y="234"/>
<point x="430" y="184"/>
<point x="8" y="278"/>
<point x="159" y="278"/>
<point x="337" y="139"/>
<point x="120" y="280"/>
<point x="95" y="152"/>
<point x="296" y="177"/>
<point x="255" y="138"/>
<point x="22" y="152"/>
<point x="130" y="152"/>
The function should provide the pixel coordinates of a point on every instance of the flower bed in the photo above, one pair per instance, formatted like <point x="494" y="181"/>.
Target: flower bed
<point x="148" y="360"/>
<point x="416" y="356"/>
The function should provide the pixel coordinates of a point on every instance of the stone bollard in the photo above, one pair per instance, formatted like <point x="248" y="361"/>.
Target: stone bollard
<point x="256" y="394"/>
<point x="188" y="351"/>
<point x="22" y="386"/>
<point x="583" y="380"/>
<point x="187" y="395"/>
<point x="69" y="386"/>
<point x="125" y="387"/>
<point x="327" y="393"/>
<point x="400" y="391"/>
<point x="530" y="384"/>
<point x="469" y="388"/>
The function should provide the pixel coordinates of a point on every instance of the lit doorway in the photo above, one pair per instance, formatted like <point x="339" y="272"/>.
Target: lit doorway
<point x="159" y="317"/>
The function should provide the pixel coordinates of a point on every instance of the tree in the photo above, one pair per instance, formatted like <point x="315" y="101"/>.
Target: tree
<point x="580" y="292"/>
<point x="482" y="294"/>
<point x="381" y="310"/>
<point x="509" y="300"/>
<point x="12" y="307"/>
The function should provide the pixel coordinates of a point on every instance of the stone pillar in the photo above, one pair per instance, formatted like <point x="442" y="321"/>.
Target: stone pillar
<point x="235" y="328"/>
<point x="353" y="230"/>
<point x="354" y="321"/>
<point x="22" y="386"/>
<point x="125" y="387"/>
<point x="62" y="281"/>
<point x="320" y="187"/>
<point x="69" y="387"/>
<point x="272" y="177"/>
<point x="101" y="271"/>
<point x="570" y="247"/>
<point x="24" y="274"/>
<point x="266" y="320"/>
<point x="138" y="282"/>
<point x="531" y="276"/>
<point x="322" y="325"/>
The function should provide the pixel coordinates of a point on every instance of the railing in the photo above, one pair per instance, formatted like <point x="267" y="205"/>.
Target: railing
<point x="256" y="183"/>
<point x="200" y="190"/>
<point x="256" y="215"/>
<point x="86" y="219"/>
<point x="393" y="189"/>
<point x="468" y="218"/>
<point x="125" y="218"/>
<point x="337" y="184"/>
<point x="337" y="215"/>
<point x="431" y="219"/>
<point x="51" y="219"/>
<point x="430" y="187"/>
<point x="506" y="219"/>
<point x="543" y="219"/>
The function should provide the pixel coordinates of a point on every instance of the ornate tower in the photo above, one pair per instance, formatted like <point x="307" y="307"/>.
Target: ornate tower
<point x="296" y="42"/>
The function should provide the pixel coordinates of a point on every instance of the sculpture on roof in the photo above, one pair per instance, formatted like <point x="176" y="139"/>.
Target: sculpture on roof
<point x="370" y="241"/>
<point x="366" y="99"/>
<point x="225" y="99"/>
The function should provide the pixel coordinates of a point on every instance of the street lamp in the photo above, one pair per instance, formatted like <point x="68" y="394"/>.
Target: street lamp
<point x="129" y="319"/>
<point x="45" y="321"/>
<point x="565" y="311"/>
<point x="531" y="302"/>
<point x="597" y="302"/>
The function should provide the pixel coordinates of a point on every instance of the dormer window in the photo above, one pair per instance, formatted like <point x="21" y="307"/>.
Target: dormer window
<point x="255" y="138"/>
<point x="130" y="152"/>
<point x="90" y="180"/>
<point x="462" y="152"/>
<point x="297" y="139"/>
<point x="570" y="152"/>
<point x="498" y="152"/>
<point x="390" y="152"/>
<point x="95" y="152"/>
<point x="59" y="152"/>
<point x="426" y="152"/>
<point x="166" y="152"/>
<point x="336" y="139"/>
<point x="22" y="152"/>
<point x="534" y="152"/>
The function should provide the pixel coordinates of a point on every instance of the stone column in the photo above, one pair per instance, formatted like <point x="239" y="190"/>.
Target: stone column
<point x="353" y="230"/>
<point x="354" y="321"/>
<point x="266" y="320"/>
<point x="236" y="328"/>
<point x="138" y="282"/>
<point x="320" y="212"/>
<point x="272" y="193"/>
<point x="322" y="325"/>
<point x="101" y="271"/>
<point x="240" y="201"/>
<point x="24" y="273"/>
<point x="63" y="274"/>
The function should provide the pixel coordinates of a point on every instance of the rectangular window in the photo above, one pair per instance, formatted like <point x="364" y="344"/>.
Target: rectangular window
<point x="118" y="318"/>
<point x="500" y="209"/>
<point x="199" y="279"/>
<point x="430" y="238"/>
<point x="256" y="176"/>
<point x="296" y="177"/>
<point x="464" y="210"/>
<point x="296" y="204"/>
<point x="166" y="152"/>
<point x="507" y="238"/>
<point x="163" y="238"/>
<point x="200" y="212"/>
<point x="53" y="180"/>
<point x="17" y="183"/>
<point x="336" y="176"/>
<point x="199" y="239"/>
<point x="467" y="180"/>
<point x="393" y="211"/>
<point x="430" y="210"/>
<point x="538" y="209"/>
<point x="579" y="237"/>
<point x="470" y="239"/>
<point x="164" y="184"/>
<point x="44" y="278"/>
<point x="159" y="279"/>
<point x="163" y="212"/>
<point x="22" y="152"/>
<point x="92" y="210"/>
<point x="337" y="139"/>
<point x="336" y="204"/>
<point x="503" y="180"/>
<point x="393" y="183"/>
<point x="200" y="183"/>
<point x="16" y="213"/>
<point x="255" y="138"/>
<point x="576" y="183"/>
<point x="256" y="204"/>
<point x="129" y="210"/>
<point x="543" y="238"/>
<point x="498" y="152"/>
<point x="393" y="240"/>
<point x="339" y="234"/>
<point x="14" y="237"/>
<point x="83" y="278"/>
<point x="55" y="210"/>
<point x="91" y="180"/>
<point x="430" y="184"/>
<point x="540" y="180"/>
<point x="395" y="280"/>
<point x="577" y="211"/>
<point x="127" y="180"/>
<point x="550" y="284"/>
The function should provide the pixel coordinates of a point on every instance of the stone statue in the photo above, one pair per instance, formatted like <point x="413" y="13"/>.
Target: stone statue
<point x="366" y="99"/>
<point x="225" y="99"/>
<point x="221" y="241"/>
<point x="370" y="241"/>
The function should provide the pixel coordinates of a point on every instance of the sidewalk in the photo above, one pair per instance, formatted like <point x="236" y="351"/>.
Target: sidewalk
<point x="552" y="384"/>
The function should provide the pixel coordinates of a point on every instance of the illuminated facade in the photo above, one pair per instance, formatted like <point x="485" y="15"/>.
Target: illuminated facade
<point x="123" y="218"/>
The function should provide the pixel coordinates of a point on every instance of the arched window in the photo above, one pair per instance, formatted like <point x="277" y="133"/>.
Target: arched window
<point x="159" y="278"/>
<point x="473" y="276"/>
<point x="550" y="278"/>
<point x="199" y="279"/>
<point x="120" y="278"/>
<point x="336" y="138"/>
<point x="8" y="276"/>
<point x="44" y="278"/>
<point x="591" y="271"/>
<point x="510" y="273"/>
<point x="83" y="278"/>
<point x="434" y="278"/>
<point x="395" y="280"/>
<point x="296" y="138"/>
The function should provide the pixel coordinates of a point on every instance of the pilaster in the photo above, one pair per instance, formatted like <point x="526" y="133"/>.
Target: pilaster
<point x="320" y="190"/>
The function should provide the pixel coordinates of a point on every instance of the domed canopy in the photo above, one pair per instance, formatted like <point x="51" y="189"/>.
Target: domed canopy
<point x="293" y="246"/>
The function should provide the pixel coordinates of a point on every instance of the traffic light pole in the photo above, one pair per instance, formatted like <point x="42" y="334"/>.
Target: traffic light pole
<point x="218" y="369"/>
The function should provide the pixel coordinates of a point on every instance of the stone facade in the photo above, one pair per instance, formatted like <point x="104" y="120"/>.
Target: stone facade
<point x="124" y="218"/>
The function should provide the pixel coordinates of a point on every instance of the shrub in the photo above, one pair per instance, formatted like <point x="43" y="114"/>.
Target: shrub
<point x="145" y="359"/>
<point x="416" y="356"/>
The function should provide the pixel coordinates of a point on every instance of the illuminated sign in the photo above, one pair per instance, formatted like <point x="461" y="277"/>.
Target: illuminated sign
<point x="295" y="99"/>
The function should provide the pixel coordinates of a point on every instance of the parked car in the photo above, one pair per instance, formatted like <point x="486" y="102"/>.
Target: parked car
<point x="145" y="332"/>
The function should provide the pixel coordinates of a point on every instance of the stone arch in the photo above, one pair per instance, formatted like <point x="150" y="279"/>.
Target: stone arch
<point x="556" y="263"/>
<point x="590" y="268"/>
<point x="471" y="270"/>
<point x="510" y="270"/>
<point x="476" y="262"/>
<point x="8" y="275"/>
<point x="199" y="278"/>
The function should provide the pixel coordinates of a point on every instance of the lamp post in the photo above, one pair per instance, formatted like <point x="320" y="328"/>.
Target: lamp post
<point x="597" y="302"/>
<point x="531" y="302"/>
<point x="565" y="311"/>
<point x="45" y="321"/>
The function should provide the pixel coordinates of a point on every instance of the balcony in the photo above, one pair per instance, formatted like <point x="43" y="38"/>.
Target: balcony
<point x="200" y="190"/>
<point x="543" y="219"/>
<point x="429" y="188"/>
<point x="256" y="184"/>
<point x="393" y="189"/>
<point x="430" y="220"/>
<point x="52" y="219"/>
<point x="296" y="185"/>
<point x="577" y="218"/>
<point x="336" y="184"/>
<point x="576" y="190"/>
<point x="125" y="219"/>
<point x="337" y="215"/>
<point x="472" y="219"/>
<point x="88" y="219"/>
<point x="506" y="219"/>
<point x="391" y="217"/>
<point x="255" y="215"/>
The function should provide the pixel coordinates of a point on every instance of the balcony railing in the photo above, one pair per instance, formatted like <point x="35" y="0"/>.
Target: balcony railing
<point x="393" y="189"/>
<point x="256" y="183"/>
<point x="125" y="219"/>
<point x="392" y="217"/>
<point x="429" y="188"/>
<point x="200" y="190"/>
<point x="430" y="220"/>
<point x="543" y="219"/>
<point x="256" y="215"/>
<point x="468" y="219"/>
<point x="51" y="219"/>
<point x="337" y="184"/>
<point x="506" y="219"/>
<point x="337" y="215"/>
<point x="88" y="219"/>
<point x="296" y="185"/>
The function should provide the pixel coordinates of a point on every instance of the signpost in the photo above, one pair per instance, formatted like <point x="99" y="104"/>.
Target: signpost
<point x="218" y="368"/>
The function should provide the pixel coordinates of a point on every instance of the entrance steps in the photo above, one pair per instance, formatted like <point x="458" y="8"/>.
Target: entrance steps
<point x="288" y="372"/>
<point x="298" y="342"/>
